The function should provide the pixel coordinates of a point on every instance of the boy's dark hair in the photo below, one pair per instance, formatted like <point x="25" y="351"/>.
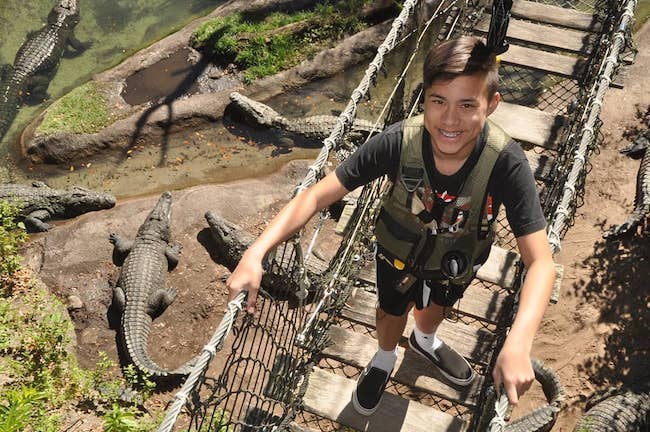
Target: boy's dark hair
<point x="466" y="55"/>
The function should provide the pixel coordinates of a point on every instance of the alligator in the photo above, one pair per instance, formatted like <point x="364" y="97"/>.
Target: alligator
<point x="38" y="202"/>
<point x="232" y="241"/>
<point x="37" y="60"/>
<point x="315" y="127"/>
<point x="637" y="150"/>
<point x="140" y="295"/>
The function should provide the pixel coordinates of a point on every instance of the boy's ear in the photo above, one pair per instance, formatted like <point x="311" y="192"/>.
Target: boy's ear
<point x="493" y="102"/>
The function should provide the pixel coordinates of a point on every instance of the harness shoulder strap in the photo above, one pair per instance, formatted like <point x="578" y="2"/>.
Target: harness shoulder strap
<point x="496" y="141"/>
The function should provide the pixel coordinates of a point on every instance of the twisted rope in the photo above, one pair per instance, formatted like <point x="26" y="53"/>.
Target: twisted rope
<point x="345" y="119"/>
<point x="592" y="112"/>
<point x="209" y="350"/>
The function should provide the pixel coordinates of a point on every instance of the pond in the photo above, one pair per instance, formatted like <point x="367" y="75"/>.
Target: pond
<point x="224" y="151"/>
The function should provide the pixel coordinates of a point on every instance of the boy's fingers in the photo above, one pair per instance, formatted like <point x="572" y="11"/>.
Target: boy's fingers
<point x="252" y="298"/>
<point x="511" y="391"/>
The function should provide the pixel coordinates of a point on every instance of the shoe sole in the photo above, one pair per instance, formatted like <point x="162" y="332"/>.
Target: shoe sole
<point x="361" y="410"/>
<point x="461" y="382"/>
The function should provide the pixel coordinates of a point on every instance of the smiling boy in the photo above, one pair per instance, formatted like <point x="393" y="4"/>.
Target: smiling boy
<point x="450" y="171"/>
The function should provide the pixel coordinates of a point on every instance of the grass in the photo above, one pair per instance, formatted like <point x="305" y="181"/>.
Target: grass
<point x="41" y="378"/>
<point x="83" y="110"/>
<point x="265" y="46"/>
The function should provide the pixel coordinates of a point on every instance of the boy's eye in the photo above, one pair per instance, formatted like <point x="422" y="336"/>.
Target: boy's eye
<point x="467" y="105"/>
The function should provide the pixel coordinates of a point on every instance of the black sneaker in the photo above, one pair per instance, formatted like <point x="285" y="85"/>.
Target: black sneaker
<point x="370" y="389"/>
<point x="451" y="364"/>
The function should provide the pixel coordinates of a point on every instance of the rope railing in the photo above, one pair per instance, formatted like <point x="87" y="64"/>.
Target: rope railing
<point x="345" y="119"/>
<point x="592" y="111"/>
<point x="236" y="305"/>
<point x="209" y="350"/>
<point x="567" y="204"/>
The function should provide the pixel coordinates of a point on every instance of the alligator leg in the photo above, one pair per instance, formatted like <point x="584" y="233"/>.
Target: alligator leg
<point x="37" y="89"/>
<point x="34" y="221"/>
<point x="121" y="248"/>
<point x="159" y="301"/>
<point x="77" y="45"/>
<point x="116" y="308"/>
<point x="173" y="254"/>
<point x="119" y="298"/>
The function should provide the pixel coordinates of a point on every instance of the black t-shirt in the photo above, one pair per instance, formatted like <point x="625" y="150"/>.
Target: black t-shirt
<point x="511" y="182"/>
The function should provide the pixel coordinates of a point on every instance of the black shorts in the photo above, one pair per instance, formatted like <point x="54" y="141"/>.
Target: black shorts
<point x="423" y="292"/>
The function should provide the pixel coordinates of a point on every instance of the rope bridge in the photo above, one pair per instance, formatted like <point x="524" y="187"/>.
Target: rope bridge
<point x="552" y="86"/>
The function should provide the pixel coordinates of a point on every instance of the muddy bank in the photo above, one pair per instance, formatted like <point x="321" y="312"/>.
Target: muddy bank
<point x="177" y="112"/>
<point x="74" y="261"/>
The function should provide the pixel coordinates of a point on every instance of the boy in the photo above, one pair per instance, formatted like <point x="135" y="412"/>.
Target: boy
<point x="450" y="172"/>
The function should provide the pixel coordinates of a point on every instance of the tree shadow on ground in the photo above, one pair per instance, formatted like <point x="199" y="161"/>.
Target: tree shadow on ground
<point x="618" y="287"/>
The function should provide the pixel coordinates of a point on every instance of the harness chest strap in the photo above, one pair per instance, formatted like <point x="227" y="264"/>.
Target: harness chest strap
<point x="405" y="235"/>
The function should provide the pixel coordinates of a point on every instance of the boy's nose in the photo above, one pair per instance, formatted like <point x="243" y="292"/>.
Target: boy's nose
<point x="449" y="116"/>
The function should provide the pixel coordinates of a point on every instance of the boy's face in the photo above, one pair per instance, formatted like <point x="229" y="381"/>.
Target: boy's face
<point x="454" y="114"/>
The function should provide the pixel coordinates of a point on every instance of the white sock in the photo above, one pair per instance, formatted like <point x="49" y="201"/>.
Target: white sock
<point x="384" y="360"/>
<point x="427" y="340"/>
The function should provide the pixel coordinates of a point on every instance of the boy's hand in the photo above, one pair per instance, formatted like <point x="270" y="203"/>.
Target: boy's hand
<point x="247" y="276"/>
<point x="514" y="370"/>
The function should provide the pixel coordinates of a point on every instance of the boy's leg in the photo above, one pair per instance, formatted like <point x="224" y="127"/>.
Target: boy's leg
<point x="423" y="339"/>
<point x="391" y="314"/>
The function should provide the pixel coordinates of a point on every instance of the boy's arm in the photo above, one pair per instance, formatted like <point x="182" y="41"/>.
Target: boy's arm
<point x="247" y="276"/>
<point x="513" y="368"/>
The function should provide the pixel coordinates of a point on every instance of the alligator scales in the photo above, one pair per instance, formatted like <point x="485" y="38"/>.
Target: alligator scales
<point x="140" y="294"/>
<point x="38" y="202"/>
<point x="37" y="60"/>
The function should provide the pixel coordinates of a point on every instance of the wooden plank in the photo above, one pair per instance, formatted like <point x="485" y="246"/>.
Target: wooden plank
<point x="411" y="369"/>
<point x="555" y="15"/>
<point x="529" y="124"/>
<point x="570" y="67"/>
<point x="329" y="396"/>
<point x="475" y="344"/>
<point x="544" y="35"/>
<point x="478" y="301"/>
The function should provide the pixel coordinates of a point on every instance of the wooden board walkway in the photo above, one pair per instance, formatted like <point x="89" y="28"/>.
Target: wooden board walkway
<point x="543" y="38"/>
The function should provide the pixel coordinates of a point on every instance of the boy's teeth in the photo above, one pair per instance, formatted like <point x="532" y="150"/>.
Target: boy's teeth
<point x="449" y="134"/>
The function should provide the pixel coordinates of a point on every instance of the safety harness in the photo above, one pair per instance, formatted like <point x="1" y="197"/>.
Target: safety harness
<point x="448" y="248"/>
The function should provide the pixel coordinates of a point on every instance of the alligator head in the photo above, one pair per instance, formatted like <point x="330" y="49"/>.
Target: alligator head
<point x="637" y="148"/>
<point x="66" y="12"/>
<point x="78" y="200"/>
<point x="159" y="219"/>
<point x="257" y="112"/>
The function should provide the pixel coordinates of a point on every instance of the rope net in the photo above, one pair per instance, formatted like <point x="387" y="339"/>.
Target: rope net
<point x="255" y="378"/>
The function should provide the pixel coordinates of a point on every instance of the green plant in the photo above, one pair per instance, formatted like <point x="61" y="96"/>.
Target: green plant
<point x="119" y="419"/>
<point x="12" y="235"/>
<point x="139" y="381"/>
<point x="279" y="41"/>
<point x="19" y="407"/>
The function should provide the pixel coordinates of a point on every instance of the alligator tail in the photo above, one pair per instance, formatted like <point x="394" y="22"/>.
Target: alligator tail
<point x="136" y="337"/>
<point x="641" y="201"/>
<point x="9" y="103"/>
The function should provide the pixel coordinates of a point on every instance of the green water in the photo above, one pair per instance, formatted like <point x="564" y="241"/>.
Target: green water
<point x="117" y="29"/>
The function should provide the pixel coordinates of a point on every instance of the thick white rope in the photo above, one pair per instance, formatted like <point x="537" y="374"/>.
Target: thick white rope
<point x="346" y="118"/>
<point x="236" y="305"/>
<point x="562" y="213"/>
<point x="592" y="112"/>
<point x="215" y="344"/>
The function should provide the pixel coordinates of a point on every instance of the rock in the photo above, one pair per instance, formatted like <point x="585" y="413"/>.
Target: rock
<point x="74" y="303"/>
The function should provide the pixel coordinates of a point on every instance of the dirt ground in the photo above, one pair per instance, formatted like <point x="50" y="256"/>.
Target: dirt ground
<point x="595" y="337"/>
